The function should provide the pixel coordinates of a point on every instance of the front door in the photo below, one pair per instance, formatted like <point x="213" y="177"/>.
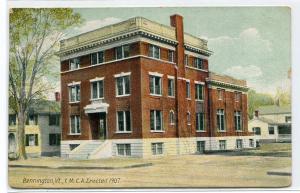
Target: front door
<point x="102" y="126"/>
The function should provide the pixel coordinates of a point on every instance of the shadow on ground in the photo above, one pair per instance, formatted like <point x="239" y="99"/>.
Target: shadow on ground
<point x="256" y="153"/>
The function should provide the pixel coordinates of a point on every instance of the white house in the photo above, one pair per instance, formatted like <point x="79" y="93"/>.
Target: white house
<point x="272" y="124"/>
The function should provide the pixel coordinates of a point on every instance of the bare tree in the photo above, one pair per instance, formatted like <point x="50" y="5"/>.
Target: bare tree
<point x="34" y="36"/>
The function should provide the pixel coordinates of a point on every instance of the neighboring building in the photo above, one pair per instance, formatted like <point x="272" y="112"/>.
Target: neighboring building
<point x="42" y="130"/>
<point x="272" y="123"/>
<point x="140" y="88"/>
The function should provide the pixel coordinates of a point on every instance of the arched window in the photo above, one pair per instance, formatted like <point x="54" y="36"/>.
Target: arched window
<point x="171" y="117"/>
<point x="188" y="117"/>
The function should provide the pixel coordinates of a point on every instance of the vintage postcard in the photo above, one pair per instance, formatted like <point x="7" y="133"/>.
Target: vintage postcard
<point x="157" y="97"/>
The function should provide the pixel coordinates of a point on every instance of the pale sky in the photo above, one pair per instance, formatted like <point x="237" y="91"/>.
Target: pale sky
<point x="248" y="43"/>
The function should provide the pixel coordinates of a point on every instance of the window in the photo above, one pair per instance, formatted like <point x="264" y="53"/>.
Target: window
<point x="198" y="63"/>
<point x="75" y="125"/>
<point x="221" y="120"/>
<point x="54" y="119"/>
<point x="200" y="146"/>
<point x="188" y="118"/>
<point x="156" y="120"/>
<point x="12" y="119"/>
<point x="288" y="119"/>
<point x="31" y="140"/>
<point x="54" y="139"/>
<point x="200" y="121"/>
<point x="157" y="148"/>
<point x="237" y="120"/>
<point x="124" y="149"/>
<point x="155" y="85"/>
<point x="154" y="51"/>
<point x="122" y="51"/>
<point x="171" y="55"/>
<point x="186" y="59"/>
<point x="124" y="121"/>
<point x="271" y="131"/>
<point x="123" y="85"/>
<point x="97" y="58"/>
<point x="97" y="89"/>
<point x="256" y="130"/>
<point x="188" y="90"/>
<point x="74" y="93"/>
<point x="32" y="119"/>
<point x="239" y="143"/>
<point x="237" y="96"/>
<point x="171" y="87"/>
<point x="222" y="144"/>
<point x="251" y="143"/>
<point x="199" y="92"/>
<point x="172" y="118"/>
<point x="220" y="94"/>
<point x="74" y="63"/>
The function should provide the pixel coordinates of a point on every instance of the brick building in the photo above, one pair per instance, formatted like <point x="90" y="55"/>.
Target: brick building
<point x="140" y="88"/>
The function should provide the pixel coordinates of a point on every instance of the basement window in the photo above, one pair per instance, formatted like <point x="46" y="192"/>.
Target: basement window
<point x="124" y="149"/>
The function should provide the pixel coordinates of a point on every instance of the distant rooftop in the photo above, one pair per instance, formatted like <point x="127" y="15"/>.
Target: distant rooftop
<point x="274" y="109"/>
<point x="42" y="107"/>
<point x="126" y="27"/>
<point x="226" y="79"/>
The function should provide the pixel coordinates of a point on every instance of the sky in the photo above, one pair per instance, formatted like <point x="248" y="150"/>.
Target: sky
<point x="251" y="43"/>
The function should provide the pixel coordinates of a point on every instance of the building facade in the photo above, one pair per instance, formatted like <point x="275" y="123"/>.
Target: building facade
<point x="272" y="124"/>
<point x="140" y="88"/>
<point x="42" y="130"/>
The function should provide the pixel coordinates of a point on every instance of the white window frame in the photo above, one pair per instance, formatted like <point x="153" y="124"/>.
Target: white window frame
<point x="154" y="46"/>
<point x="97" y="55"/>
<point x="161" y="121"/>
<point x="77" y="87"/>
<point x="198" y="129"/>
<point x="237" y="96"/>
<point x="77" y="127"/>
<point x="97" y="81"/>
<point x="172" y="88"/>
<point x="188" y="118"/>
<point x="221" y="113"/>
<point x="198" y="61"/>
<point x="122" y="51"/>
<point x="123" y="84"/>
<point x="172" y="117"/>
<point x="198" y="94"/>
<point x="124" y="123"/>
<point x="171" y="53"/>
<point x="155" y="147"/>
<point x="239" y="144"/>
<point x="154" y="89"/>
<point x="124" y="149"/>
<point x="223" y="143"/>
<point x="237" y="118"/>
<point x="186" y="59"/>
<point x="77" y="66"/>
<point x="188" y="89"/>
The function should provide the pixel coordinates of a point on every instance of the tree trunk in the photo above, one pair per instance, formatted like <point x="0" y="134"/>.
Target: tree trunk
<point x="21" y="134"/>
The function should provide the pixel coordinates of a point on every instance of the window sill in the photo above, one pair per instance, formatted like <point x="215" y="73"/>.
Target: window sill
<point x="75" y="102"/>
<point x="172" y="124"/>
<point x="238" y="131"/>
<point x="189" y="124"/>
<point x="221" y="131"/>
<point x="199" y="131"/>
<point x="123" y="132"/>
<point x="97" y="99"/>
<point x="125" y="95"/>
<point x="173" y="97"/>
<point x="156" y="95"/>
<point x="188" y="99"/>
<point x="199" y="100"/>
<point x="157" y="131"/>
<point x="74" y="133"/>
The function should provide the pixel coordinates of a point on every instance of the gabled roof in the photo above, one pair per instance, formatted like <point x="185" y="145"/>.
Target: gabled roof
<point x="274" y="109"/>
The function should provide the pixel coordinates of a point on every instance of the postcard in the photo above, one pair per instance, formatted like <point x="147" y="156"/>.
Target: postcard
<point x="149" y="97"/>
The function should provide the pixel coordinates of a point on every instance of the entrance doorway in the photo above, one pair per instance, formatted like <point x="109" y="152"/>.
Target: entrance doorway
<point x="102" y="126"/>
<point x="98" y="125"/>
<point x="200" y="147"/>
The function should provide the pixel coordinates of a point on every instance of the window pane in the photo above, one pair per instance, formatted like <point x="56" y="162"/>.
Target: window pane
<point x="120" y="86"/>
<point x="94" y="90"/>
<point x="157" y="85"/>
<point x="222" y="123"/>
<point x="77" y="93"/>
<point x="201" y="121"/>
<point x="73" y="93"/>
<point x="72" y="124"/>
<point x="119" y="52"/>
<point x="151" y="50"/>
<point x="171" y="87"/>
<point x="120" y="121"/>
<point x="156" y="52"/>
<point x="128" y="149"/>
<point x="94" y="58"/>
<point x="158" y="121"/>
<point x="152" y="125"/>
<point x="100" y="83"/>
<point x="77" y="124"/>
<point x="151" y="84"/>
<point x="100" y="57"/>
<point x="126" y="49"/>
<point x="188" y="94"/>
<point x="127" y="84"/>
<point x="128" y="121"/>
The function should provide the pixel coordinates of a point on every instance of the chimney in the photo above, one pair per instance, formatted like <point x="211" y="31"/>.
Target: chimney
<point x="57" y="96"/>
<point x="256" y="113"/>
<point x="177" y="22"/>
